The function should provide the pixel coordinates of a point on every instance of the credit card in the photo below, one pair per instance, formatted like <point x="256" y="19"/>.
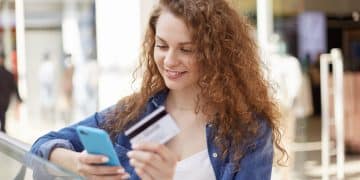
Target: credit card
<point x="158" y="127"/>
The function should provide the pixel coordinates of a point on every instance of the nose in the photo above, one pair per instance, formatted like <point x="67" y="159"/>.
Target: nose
<point x="171" y="59"/>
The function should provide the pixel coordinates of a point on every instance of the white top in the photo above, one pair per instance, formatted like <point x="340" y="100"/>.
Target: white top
<point x="197" y="167"/>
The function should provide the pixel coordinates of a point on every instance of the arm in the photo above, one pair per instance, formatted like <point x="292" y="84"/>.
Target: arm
<point x="65" y="158"/>
<point x="17" y="93"/>
<point x="65" y="138"/>
<point x="257" y="162"/>
<point x="15" y="88"/>
<point x="87" y="165"/>
<point x="63" y="148"/>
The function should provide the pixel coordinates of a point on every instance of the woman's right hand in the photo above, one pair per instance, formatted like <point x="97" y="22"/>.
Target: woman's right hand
<point x="89" y="166"/>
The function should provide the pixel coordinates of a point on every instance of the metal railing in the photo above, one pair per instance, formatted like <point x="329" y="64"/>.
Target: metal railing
<point x="41" y="168"/>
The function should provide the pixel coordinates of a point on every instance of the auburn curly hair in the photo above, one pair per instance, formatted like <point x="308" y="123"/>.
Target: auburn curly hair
<point x="231" y="81"/>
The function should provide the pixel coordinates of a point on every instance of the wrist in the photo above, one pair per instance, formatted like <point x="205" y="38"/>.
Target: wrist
<point x="65" y="158"/>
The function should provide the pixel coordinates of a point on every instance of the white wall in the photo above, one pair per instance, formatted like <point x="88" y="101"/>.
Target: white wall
<point x="119" y="35"/>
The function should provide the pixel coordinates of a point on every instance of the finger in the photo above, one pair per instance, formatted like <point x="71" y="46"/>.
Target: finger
<point x="161" y="149"/>
<point x="143" y="174"/>
<point x="102" y="170"/>
<point x="146" y="169"/>
<point x="149" y="158"/>
<point x="92" y="159"/>
<point x="111" y="177"/>
<point x="126" y="176"/>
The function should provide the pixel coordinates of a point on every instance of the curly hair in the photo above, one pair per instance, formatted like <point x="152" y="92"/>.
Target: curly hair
<point x="231" y="81"/>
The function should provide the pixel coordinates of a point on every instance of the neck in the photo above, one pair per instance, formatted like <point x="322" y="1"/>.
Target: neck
<point x="182" y="100"/>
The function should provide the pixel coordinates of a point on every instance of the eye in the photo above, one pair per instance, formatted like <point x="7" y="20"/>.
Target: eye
<point x="186" y="50"/>
<point x="160" y="46"/>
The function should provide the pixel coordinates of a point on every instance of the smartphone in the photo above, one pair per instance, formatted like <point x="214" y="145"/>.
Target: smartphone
<point x="97" y="141"/>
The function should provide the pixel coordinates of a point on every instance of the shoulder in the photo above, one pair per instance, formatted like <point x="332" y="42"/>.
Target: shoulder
<point x="104" y="114"/>
<point x="258" y="158"/>
<point x="264" y="126"/>
<point x="264" y="132"/>
<point x="263" y="138"/>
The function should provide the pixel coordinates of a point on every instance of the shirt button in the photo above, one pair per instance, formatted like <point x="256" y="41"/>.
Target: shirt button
<point x="215" y="155"/>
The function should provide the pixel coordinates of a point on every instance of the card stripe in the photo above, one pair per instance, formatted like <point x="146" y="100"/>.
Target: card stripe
<point x="147" y="124"/>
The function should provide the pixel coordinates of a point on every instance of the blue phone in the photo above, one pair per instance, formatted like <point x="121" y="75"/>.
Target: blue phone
<point x="97" y="141"/>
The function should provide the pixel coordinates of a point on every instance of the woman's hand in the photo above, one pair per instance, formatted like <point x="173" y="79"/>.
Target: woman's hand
<point x="153" y="161"/>
<point x="90" y="166"/>
<point x="87" y="165"/>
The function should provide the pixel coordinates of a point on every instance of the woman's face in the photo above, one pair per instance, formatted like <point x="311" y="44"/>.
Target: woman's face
<point x="174" y="53"/>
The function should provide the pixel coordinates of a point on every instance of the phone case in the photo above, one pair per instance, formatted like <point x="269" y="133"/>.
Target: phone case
<point x="97" y="141"/>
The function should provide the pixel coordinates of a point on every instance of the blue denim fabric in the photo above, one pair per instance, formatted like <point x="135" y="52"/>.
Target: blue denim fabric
<point x="256" y="163"/>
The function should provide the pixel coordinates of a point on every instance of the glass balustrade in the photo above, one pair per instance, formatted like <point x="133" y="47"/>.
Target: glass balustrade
<point x="17" y="163"/>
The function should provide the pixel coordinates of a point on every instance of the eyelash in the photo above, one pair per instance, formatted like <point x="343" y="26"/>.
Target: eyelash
<point x="182" y="49"/>
<point x="186" y="50"/>
<point x="161" y="46"/>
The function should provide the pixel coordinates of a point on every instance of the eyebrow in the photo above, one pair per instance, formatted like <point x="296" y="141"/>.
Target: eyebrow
<point x="182" y="43"/>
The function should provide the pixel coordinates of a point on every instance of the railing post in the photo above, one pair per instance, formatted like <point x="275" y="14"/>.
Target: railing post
<point x="335" y="58"/>
<point x="339" y="110"/>
<point x="325" y="115"/>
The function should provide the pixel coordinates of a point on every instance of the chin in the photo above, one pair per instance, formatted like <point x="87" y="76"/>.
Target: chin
<point x="174" y="86"/>
<point x="171" y="86"/>
<point x="178" y="86"/>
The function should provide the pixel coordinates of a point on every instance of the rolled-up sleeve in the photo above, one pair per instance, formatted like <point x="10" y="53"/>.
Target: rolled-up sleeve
<point x="66" y="137"/>
<point x="47" y="147"/>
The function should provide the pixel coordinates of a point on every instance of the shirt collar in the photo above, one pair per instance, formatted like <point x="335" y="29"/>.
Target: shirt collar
<point x="159" y="98"/>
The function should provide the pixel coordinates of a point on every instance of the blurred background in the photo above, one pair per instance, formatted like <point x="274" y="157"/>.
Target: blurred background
<point x="71" y="58"/>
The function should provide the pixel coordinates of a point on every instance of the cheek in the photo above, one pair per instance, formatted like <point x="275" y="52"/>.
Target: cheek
<point x="192" y="64"/>
<point x="195" y="69"/>
<point x="158" y="58"/>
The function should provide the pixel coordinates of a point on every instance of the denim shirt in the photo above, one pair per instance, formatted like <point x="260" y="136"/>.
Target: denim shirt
<point x="256" y="163"/>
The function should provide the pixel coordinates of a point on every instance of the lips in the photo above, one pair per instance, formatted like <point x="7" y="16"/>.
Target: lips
<point x="174" y="74"/>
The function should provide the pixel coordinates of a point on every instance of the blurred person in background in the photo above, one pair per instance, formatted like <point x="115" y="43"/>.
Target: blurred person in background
<point x="8" y="87"/>
<point x="91" y="70"/>
<point x="200" y="62"/>
<point x="46" y="77"/>
<point x="65" y="103"/>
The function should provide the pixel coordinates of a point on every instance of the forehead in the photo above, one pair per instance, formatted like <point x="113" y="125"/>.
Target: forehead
<point x="172" y="28"/>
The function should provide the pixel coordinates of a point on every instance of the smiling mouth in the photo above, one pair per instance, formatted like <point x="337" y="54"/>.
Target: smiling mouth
<point x="174" y="74"/>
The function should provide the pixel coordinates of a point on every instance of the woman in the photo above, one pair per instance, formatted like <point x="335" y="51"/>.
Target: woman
<point x="202" y="65"/>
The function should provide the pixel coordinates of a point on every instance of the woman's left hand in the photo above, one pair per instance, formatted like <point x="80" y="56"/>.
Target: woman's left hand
<point x="153" y="161"/>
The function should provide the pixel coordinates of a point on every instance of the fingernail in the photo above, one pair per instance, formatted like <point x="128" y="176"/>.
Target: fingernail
<point x="134" y="146"/>
<point x="138" y="171"/>
<point x="129" y="153"/>
<point x="120" y="170"/>
<point x="126" y="176"/>
<point x="105" y="159"/>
